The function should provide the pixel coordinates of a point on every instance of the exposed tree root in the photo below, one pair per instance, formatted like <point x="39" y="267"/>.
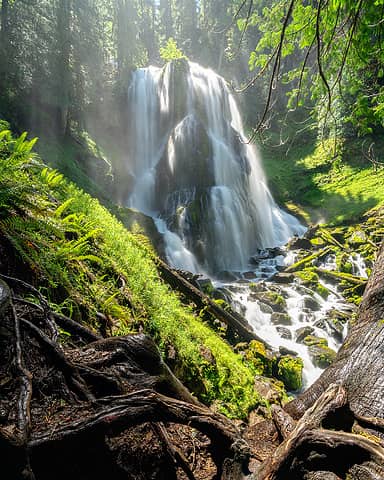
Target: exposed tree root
<point x="92" y="392"/>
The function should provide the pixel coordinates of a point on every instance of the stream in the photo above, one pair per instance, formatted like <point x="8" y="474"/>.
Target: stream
<point x="304" y="313"/>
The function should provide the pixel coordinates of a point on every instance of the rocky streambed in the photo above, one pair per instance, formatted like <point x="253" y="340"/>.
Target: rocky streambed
<point x="300" y="299"/>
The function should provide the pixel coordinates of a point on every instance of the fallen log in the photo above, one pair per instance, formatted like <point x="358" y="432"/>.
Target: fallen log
<point x="234" y="321"/>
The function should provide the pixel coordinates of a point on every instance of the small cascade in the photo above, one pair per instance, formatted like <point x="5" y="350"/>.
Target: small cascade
<point x="193" y="171"/>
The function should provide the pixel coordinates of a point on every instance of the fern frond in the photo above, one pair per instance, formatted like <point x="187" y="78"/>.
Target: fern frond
<point x="61" y="208"/>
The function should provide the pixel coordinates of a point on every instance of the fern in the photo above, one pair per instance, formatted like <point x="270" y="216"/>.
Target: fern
<point x="52" y="178"/>
<point x="61" y="209"/>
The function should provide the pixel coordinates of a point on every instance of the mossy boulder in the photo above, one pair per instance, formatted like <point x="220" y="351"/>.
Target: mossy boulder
<point x="271" y="390"/>
<point x="314" y="340"/>
<point x="357" y="238"/>
<point x="303" y="332"/>
<point x="258" y="358"/>
<point x="273" y="299"/>
<point x="278" y="318"/>
<point x="290" y="372"/>
<point x="321" y="355"/>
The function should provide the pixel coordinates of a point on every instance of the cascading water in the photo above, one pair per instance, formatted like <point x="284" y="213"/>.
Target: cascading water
<point x="194" y="173"/>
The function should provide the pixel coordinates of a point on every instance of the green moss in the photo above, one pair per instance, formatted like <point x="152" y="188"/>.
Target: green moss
<point x="310" y="279"/>
<point x="330" y="190"/>
<point x="313" y="340"/>
<point x="322" y="356"/>
<point x="273" y="299"/>
<point x="258" y="358"/>
<point x="289" y="371"/>
<point x="308" y="260"/>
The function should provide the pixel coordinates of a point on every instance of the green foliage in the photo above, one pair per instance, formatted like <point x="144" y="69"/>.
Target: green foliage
<point x="330" y="188"/>
<point x="290" y="371"/>
<point x="329" y="57"/>
<point x="170" y="51"/>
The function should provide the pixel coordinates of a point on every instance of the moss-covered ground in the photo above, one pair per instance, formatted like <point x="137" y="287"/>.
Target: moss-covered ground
<point x="328" y="181"/>
<point x="94" y="270"/>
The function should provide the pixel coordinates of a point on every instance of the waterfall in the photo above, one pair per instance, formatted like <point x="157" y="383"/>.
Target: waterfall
<point x="195" y="174"/>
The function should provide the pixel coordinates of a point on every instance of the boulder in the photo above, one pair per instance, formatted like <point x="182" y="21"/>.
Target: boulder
<point x="258" y="358"/>
<point x="303" y="332"/>
<point x="300" y="244"/>
<point x="284" y="332"/>
<point x="278" y="318"/>
<point x="283" y="278"/>
<point x="249" y="275"/>
<point x="290" y="371"/>
<point x="286" y="351"/>
<point x="314" y="340"/>
<point x="311" y="303"/>
<point x="321" y="355"/>
<point x="265" y="308"/>
<point x="273" y="299"/>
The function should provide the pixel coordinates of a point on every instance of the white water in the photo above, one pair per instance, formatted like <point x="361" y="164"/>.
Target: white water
<point x="194" y="171"/>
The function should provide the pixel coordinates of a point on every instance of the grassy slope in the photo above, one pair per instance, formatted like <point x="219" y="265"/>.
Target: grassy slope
<point x="86" y="262"/>
<point x="328" y="188"/>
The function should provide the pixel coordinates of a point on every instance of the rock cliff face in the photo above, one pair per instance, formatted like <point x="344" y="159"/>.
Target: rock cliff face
<point x="193" y="170"/>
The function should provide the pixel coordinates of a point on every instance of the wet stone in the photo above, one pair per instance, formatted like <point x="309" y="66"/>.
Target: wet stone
<point x="265" y="308"/>
<point x="300" y="244"/>
<point x="315" y="340"/>
<point x="303" y="332"/>
<point x="284" y="332"/>
<point x="227" y="276"/>
<point x="286" y="351"/>
<point x="336" y="328"/>
<point x="283" y="278"/>
<point x="321" y="355"/>
<point x="249" y="275"/>
<point x="311" y="303"/>
<point x="281" y="319"/>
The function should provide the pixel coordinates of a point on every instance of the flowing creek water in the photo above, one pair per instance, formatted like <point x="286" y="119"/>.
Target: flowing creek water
<point x="204" y="186"/>
<point x="304" y="313"/>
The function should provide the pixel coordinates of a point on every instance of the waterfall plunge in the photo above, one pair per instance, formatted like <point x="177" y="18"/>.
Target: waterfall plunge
<point x="193" y="172"/>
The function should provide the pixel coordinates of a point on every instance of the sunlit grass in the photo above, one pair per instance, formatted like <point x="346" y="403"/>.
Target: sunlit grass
<point x="329" y="182"/>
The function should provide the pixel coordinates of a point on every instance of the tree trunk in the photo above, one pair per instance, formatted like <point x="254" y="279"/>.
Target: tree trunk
<point x="4" y="40"/>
